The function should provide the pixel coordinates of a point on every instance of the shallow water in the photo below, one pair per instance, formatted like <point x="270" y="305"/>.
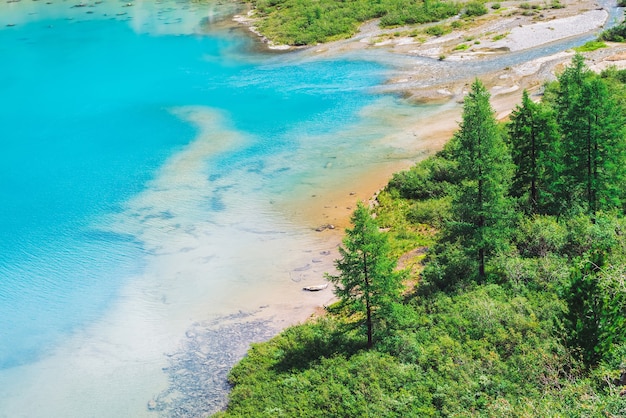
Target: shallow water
<point x="147" y="160"/>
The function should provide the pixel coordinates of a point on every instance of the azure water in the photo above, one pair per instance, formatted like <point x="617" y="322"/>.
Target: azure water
<point x="143" y="169"/>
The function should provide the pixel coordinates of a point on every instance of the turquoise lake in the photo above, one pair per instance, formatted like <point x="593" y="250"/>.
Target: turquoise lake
<point x="146" y="162"/>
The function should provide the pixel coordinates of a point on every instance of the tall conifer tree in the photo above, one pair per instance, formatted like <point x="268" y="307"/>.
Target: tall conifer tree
<point x="367" y="282"/>
<point x="593" y="149"/>
<point x="481" y="207"/>
<point x="534" y="135"/>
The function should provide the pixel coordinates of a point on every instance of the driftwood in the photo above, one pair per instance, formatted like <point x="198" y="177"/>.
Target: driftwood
<point x="315" y="288"/>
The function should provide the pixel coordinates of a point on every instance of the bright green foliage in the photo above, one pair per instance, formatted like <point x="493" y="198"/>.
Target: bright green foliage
<point x="406" y="12"/>
<point x="304" y="22"/>
<point x="593" y="148"/>
<point x="590" y="46"/>
<point x="484" y="352"/>
<point x="367" y="282"/>
<point x="481" y="206"/>
<point x="534" y="136"/>
<point x="544" y="336"/>
<point x="433" y="178"/>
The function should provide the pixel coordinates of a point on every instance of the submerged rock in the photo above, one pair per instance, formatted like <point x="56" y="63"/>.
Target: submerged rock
<point x="198" y="371"/>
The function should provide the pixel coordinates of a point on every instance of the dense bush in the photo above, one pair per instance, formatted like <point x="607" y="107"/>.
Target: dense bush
<point x="433" y="178"/>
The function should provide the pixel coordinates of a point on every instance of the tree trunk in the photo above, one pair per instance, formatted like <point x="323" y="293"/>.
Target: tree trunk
<point x="534" y="194"/>
<point x="368" y="307"/>
<point x="481" y="229"/>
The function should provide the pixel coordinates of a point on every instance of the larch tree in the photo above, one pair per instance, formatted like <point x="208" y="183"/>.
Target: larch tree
<point x="481" y="207"/>
<point x="367" y="283"/>
<point x="534" y="135"/>
<point x="593" y="142"/>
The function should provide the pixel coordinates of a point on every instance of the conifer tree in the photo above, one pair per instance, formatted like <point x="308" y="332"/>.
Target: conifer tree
<point x="593" y="149"/>
<point x="481" y="207"/>
<point x="534" y="135"/>
<point x="367" y="282"/>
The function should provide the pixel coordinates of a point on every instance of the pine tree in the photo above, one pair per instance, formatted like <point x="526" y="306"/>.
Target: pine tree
<point x="534" y="135"/>
<point x="481" y="207"/>
<point x="367" y="282"/>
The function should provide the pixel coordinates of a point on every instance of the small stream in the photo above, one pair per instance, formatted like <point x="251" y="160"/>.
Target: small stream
<point x="435" y="71"/>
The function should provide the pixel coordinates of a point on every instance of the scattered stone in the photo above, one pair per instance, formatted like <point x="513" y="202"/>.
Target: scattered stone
<point x="315" y="288"/>
<point x="324" y="227"/>
<point x="198" y="371"/>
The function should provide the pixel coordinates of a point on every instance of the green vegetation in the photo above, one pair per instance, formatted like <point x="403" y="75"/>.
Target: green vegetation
<point x="303" y="22"/>
<point x="368" y="285"/>
<point x="437" y="30"/>
<point x="590" y="46"/>
<point x="474" y="8"/>
<point x="614" y="34"/>
<point x="556" y="4"/>
<point x="520" y="307"/>
<point x="500" y="36"/>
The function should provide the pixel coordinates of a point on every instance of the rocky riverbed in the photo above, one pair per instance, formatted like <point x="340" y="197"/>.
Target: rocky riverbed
<point x="198" y="370"/>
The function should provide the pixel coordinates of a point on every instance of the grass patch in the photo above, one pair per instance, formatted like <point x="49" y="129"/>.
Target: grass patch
<point x="438" y="30"/>
<point x="590" y="46"/>
<point x="500" y="36"/>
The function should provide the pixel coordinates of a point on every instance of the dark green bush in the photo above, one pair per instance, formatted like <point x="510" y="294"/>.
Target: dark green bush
<point x="474" y="8"/>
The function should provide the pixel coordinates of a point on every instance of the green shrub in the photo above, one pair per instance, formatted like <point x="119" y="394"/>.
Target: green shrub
<point x="614" y="34"/>
<point x="430" y="179"/>
<point x="539" y="236"/>
<point x="500" y="36"/>
<point x="590" y="46"/>
<point x="436" y="30"/>
<point x="495" y="6"/>
<point x="433" y="212"/>
<point x="474" y="8"/>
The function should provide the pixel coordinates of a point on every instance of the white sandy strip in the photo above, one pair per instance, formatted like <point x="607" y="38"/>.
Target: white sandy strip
<point x="536" y="34"/>
<point x="532" y="67"/>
